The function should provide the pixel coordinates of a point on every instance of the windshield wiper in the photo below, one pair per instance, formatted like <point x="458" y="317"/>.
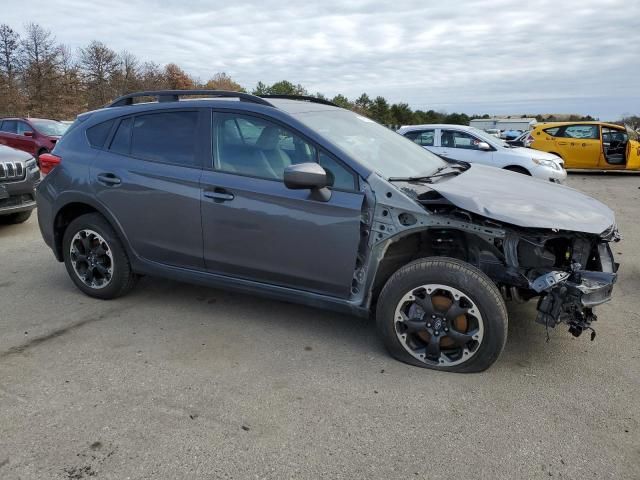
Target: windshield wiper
<point x="452" y="169"/>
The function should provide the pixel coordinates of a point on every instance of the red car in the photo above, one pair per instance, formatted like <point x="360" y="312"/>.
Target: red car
<point x="33" y="135"/>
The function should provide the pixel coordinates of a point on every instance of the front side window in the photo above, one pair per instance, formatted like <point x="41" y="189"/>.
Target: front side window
<point x="256" y="147"/>
<point x="166" y="137"/>
<point x="581" y="131"/>
<point x="23" y="127"/>
<point x="422" y="137"/>
<point x="456" y="139"/>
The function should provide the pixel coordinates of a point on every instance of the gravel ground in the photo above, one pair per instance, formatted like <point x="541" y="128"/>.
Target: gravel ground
<point x="177" y="381"/>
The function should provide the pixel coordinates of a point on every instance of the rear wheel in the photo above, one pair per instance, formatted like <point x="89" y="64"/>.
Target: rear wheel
<point x="444" y="314"/>
<point x="517" y="169"/>
<point x="14" y="218"/>
<point x="95" y="259"/>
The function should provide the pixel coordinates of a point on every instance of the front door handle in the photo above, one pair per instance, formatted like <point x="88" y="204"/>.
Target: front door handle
<point x="562" y="143"/>
<point x="219" y="195"/>
<point x="109" y="179"/>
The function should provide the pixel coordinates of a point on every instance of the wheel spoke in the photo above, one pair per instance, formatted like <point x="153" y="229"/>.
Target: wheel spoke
<point x="88" y="277"/>
<point x="425" y="303"/>
<point x="458" y="337"/>
<point x="102" y="270"/>
<point x="78" y="257"/>
<point x="100" y="250"/>
<point x="455" y="310"/>
<point x="86" y="244"/>
<point x="433" y="347"/>
<point x="414" y="325"/>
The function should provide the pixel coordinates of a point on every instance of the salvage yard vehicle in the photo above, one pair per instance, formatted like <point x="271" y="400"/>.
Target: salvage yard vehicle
<point x="32" y="135"/>
<point x="297" y="199"/>
<point x="19" y="177"/>
<point x="469" y="144"/>
<point x="589" y="145"/>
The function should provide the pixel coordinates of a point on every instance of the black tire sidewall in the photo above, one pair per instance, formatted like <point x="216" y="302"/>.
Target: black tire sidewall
<point x="457" y="274"/>
<point x="122" y="275"/>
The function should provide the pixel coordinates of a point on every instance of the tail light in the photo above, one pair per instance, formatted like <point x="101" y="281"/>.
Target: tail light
<point x="48" y="161"/>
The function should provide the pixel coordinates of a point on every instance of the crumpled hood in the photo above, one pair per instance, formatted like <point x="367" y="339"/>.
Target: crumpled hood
<point x="524" y="201"/>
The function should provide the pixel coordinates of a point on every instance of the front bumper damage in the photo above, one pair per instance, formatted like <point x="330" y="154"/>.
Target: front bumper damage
<point x="569" y="297"/>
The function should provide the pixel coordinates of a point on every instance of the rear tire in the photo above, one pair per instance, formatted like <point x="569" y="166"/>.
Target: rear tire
<point x="15" y="218"/>
<point x="517" y="169"/>
<point x="444" y="314"/>
<point x="95" y="258"/>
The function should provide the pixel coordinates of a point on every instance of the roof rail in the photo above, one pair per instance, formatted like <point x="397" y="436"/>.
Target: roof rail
<point x="174" y="96"/>
<point x="305" y="98"/>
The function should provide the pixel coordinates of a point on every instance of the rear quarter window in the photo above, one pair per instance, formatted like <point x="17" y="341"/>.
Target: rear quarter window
<point x="97" y="134"/>
<point x="552" y="131"/>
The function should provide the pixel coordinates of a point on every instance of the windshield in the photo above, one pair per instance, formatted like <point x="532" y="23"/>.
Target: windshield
<point x="490" y="139"/>
<point x="50" y="127"/>
<point x="381" y="149"/>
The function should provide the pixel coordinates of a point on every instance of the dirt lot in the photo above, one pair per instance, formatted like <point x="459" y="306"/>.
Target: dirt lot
<point x="176" y="381"/>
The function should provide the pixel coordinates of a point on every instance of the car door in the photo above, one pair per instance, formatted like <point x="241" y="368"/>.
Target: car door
<point x="25" y="137"/>
<point x="580" y="145"/>
<point x="459" y="145"/>
<point x="148" y="177"/>
<point x="255" y="228"/>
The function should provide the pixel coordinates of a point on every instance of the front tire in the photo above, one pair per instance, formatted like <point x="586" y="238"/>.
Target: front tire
<point x="95" y="258"/>
<point x="444" y="314"/>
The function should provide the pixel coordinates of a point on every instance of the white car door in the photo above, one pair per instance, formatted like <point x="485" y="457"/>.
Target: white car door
<point x="459" y="145"/>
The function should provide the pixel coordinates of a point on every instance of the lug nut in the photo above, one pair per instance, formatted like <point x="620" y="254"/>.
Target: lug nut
<point x="446" y="329"/>
<point x="433" y="316"/>
<point x="436" y="333"/>
<point x="428" y="325"/>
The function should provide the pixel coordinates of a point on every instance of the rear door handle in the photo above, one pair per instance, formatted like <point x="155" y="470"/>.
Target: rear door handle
<point x="109" y="179"/>
<point x="219" y="195"/>
<point x="562" y="143"/>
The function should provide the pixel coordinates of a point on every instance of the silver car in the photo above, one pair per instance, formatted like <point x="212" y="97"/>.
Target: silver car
<point x="468" y="144"/>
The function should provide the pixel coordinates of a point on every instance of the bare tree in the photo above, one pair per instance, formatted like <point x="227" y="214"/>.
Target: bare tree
<point x="39" y="59"/>
<point x="11" y="98"/>
<point x="127" y="78"/>
<point x="99" y="64"/>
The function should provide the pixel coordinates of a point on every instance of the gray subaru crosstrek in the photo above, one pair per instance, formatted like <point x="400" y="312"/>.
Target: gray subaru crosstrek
<point x="299" y="200"/>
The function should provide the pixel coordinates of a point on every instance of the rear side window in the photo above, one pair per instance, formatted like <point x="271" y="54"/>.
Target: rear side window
<point x="120" y="142"/>
<point x="581" y="131"/>
<point x="97" y="134"/>
<point x="9" y="126"/>
<point x="422" y="137"/>
<point x="167" y="137"/>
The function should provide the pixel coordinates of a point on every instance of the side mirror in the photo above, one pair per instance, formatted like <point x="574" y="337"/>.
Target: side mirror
<point x="28" y="134"/>
<point x="484" y="146"/>
<point x="312" y="176"/>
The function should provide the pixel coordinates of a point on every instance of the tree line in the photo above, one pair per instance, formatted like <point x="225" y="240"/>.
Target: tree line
<point x="41" y="78"/>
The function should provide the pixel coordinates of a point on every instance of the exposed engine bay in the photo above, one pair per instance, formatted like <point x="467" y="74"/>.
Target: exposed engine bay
<point x="568" y="272"/>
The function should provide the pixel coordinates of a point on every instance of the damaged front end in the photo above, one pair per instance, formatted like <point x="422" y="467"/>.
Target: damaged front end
<point x="568" y="271"/>
<point x="571" y="273"/>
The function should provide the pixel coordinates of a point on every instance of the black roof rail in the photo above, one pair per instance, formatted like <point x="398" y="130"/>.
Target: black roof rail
<point x="305" y="98"/>
<point x="174" y="96"/>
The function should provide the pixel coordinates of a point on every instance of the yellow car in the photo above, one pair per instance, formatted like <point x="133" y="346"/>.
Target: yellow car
<point x="592" y="145"/>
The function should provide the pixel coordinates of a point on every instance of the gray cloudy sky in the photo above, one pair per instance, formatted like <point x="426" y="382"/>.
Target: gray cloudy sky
<point x="474" y="56"/>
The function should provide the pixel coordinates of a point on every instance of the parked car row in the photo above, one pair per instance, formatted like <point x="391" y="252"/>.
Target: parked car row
<point x="298" y="199"/>
<point x="469" y="144"/>
<point x="573" y="145"/>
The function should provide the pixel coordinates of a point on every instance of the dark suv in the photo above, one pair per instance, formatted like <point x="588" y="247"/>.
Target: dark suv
<point x="19" y="176"/>
<point x="303" y="201"/>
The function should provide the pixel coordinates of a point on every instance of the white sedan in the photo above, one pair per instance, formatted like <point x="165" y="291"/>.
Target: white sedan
<point x="468" y="144"/>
